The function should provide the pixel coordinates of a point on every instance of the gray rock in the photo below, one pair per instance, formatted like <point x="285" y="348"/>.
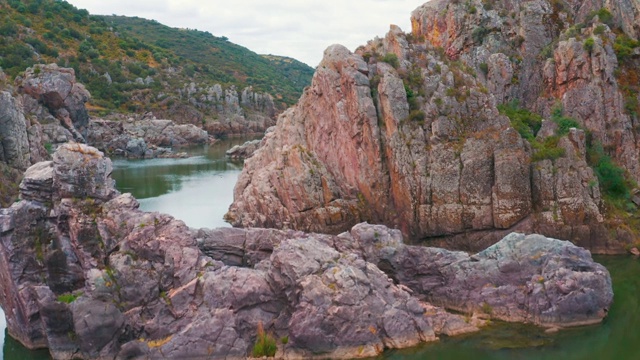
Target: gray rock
<point x="14" y="141"/>
<point x="246" y="150"/>
<point x="56" y="88"/>
<point x="81" y="171"/>
<point x="143" y="138"/>
<point x="143" y="284"/>
<point x="522" y="278"/>
<point x="37" y="184"/>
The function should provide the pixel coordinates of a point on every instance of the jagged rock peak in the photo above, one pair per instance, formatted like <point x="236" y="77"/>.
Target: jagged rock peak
<point x="408" y="132"/>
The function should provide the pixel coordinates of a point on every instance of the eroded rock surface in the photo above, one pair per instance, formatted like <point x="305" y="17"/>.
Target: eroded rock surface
<point x="88" y="275"/>
<point x="143" y="138"/>
<point x="57" y="89"/>
<point x="406" y="131"/>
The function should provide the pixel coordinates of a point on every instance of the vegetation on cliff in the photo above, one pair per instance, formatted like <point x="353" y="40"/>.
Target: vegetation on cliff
<point x="133" y="64"/>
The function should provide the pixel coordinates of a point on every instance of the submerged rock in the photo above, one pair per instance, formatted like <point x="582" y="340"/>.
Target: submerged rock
<point x="88" y="275"/>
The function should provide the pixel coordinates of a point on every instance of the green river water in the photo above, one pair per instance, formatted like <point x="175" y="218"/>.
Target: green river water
<point x="198" y="190"/>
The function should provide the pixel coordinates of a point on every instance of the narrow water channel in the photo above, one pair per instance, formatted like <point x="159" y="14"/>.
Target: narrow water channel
<point x="198" y="190"/>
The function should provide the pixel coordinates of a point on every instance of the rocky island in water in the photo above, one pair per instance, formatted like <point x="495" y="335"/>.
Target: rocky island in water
<point x="494" y="127"/>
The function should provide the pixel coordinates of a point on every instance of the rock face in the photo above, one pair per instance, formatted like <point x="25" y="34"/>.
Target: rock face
<point x="143" y="138"/>
<point x="521" y="278"/>
<point x="86" y="274"/>
<point x="223" y="111"/>
<point x="407" y="131"/>
<point x="14" y="141"/>
<point x="57" y="89"/>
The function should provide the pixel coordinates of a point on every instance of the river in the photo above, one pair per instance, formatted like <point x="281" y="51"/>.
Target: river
<point x="198" y="190"/>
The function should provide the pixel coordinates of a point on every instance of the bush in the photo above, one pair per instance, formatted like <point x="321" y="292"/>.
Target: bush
<point x="265" y="344"/>
<point x="391" y="59"/>
<point x="624" y="46"/>
<point x="484" y="68"/>
<point x="522" y="120"/>
<point x="588" y="45"/>
<point x="611" y="177"/>
<point x="68" y="298"/>
<point x="603" y="14"/>
<point x="547" y="149"/>
<point x="478" y="34"/>
<point x="417" y="116"/>
<point x="564" y="123"/>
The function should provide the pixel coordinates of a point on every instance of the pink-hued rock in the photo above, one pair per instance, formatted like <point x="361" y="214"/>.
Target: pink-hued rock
<point x="423" y="148"/>
<point x="88" y="275"/>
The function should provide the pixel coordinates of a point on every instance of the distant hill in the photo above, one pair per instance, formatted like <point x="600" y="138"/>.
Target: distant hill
<point x="137" y="65"/>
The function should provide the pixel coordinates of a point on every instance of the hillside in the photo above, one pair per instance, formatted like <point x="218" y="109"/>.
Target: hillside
<point x="138" y="65"/>
<point x="225" y="61"/>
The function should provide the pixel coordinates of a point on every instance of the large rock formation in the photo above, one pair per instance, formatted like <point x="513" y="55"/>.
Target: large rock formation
<point x="407" y="131"/>
<point x="143" y="138"/>
<point x="86" y="274"/>
<point x="56" y="88"/>
<point x="222" y="111"/>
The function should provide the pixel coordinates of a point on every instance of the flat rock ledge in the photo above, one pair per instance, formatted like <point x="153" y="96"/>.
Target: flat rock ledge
<point x="86" y="274"/>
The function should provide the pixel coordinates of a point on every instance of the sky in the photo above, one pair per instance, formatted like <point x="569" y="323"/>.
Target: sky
<point x="295" y="28"/>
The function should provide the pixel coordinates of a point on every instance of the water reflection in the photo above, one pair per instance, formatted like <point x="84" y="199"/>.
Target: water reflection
<point x="616" y="338"/>
<point x="197" y="190"/>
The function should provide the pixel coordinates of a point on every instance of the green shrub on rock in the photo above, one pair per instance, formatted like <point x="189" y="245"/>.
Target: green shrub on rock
<point x="265" y="344"/>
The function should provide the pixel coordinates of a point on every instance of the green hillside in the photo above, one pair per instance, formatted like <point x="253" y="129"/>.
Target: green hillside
<point x="112" y="54"/>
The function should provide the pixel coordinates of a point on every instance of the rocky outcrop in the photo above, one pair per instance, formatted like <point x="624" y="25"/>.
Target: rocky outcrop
<point x="14" y="141"/>
<point x="56" y="88"/>
<point x="407" y="131"/>
<point x="223" y="111"/>
<point x="86" y="274"/>
<point x="241" y="152"/>
<point x="522" y="278"/>
<point x="143" y="138"/>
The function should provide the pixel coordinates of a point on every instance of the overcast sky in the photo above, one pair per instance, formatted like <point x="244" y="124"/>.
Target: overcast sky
<point x="301" y="29"/>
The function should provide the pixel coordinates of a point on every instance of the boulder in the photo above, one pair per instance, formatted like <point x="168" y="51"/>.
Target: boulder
<point x="57" y="89"/>
<point x="246" y="150"/>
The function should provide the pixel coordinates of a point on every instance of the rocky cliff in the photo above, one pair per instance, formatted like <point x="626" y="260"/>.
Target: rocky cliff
<point x="86" y="274"/>
<point x="490" y="116"/>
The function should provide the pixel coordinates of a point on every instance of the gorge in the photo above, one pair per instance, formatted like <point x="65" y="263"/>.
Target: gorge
<point x="494" y="127"/>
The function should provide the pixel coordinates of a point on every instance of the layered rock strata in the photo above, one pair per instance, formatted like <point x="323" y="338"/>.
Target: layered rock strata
<point x="86" y="274"/>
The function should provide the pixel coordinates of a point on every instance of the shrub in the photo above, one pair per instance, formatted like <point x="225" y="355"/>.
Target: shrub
<point x="588" y="45"/>
<point x="522" y="120"/>
<point x="265" y="344"/>
<point x="391" y="59"/>
<point x="564" y="123"/>
<point x="547" y="149"/>
<point x="599" y="30"/>
<point x="624" y="46"/>
<point x="68" y="298"/>
<point x="603" y="14"/>
<point x="478" y="34"/>
<point x="484" y="68"/>
<point x="611" y="177"/>
<point x="417" y="116"/>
